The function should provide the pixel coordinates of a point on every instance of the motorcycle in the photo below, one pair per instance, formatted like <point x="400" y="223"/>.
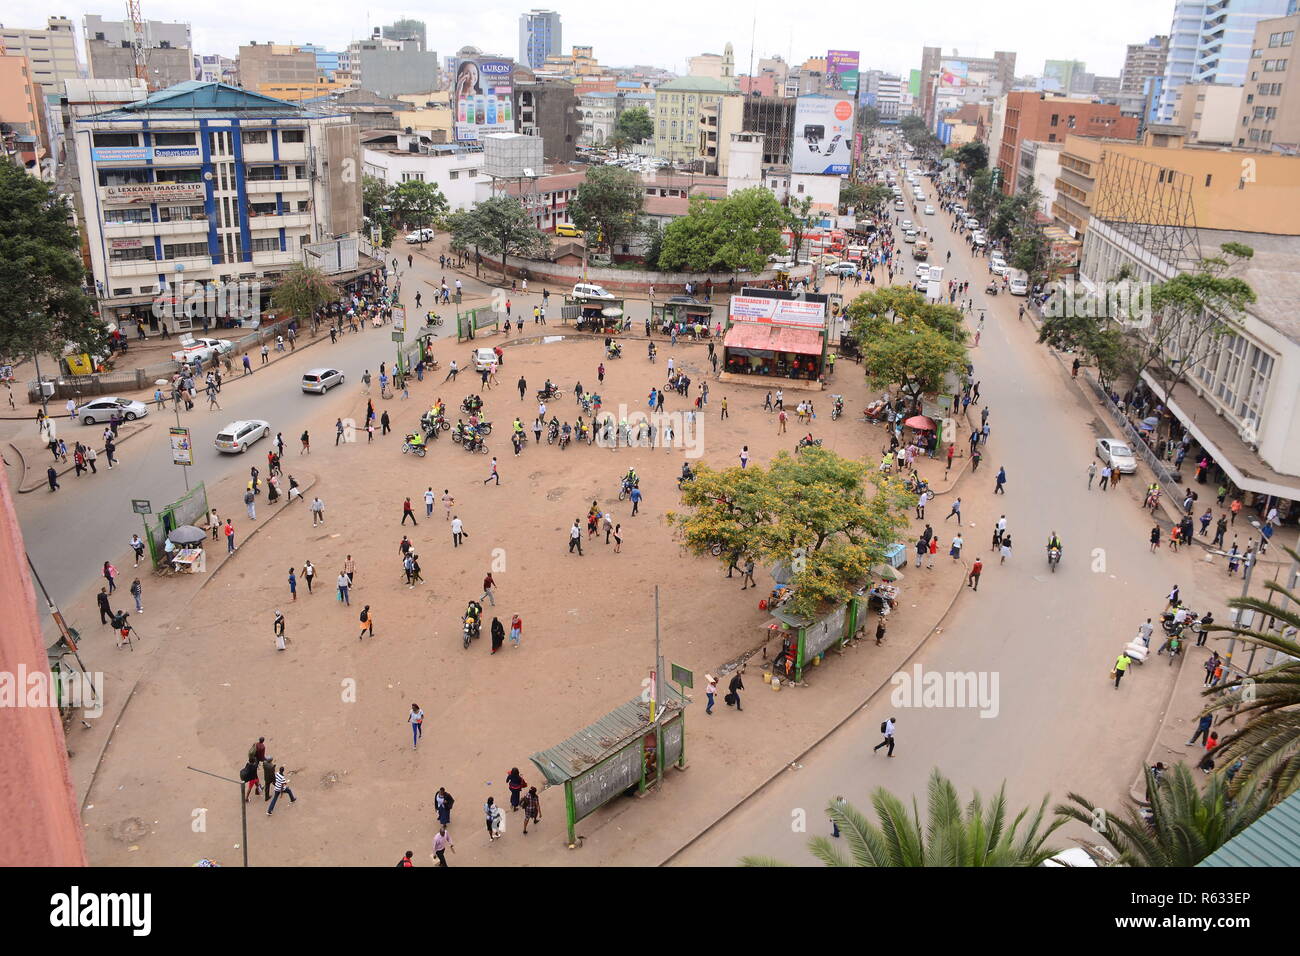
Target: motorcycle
<point x="991" y="289"/>
<point x="565" y="438"/>
<point x="614" y="351"/>
<point x="683" y="479"/>
<point x="1053" y="558"/>
<point x="838" y="408"/>
<point x="409" y="449"/>
<point x="432" y="318"/>
<point x="553" y="431"/>
<point x="470" y="629"/>
<point x="626" y="486"/>
<point x="471" y="405"/>
<point x="1171" y="626"/>
<point x="807" y="443"/>
<point x="546" y="396"/>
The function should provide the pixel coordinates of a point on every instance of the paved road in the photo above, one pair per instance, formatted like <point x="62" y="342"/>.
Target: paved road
<point x="1049" y="638"/>
<point x="69" y="534"/>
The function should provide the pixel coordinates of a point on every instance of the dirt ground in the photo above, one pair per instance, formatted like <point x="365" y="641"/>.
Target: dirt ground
<point x="333" y="708"/>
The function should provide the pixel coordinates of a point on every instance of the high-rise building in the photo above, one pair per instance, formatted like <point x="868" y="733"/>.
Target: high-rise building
<point x="283" y="64"/>
<point x="22" y="112"/>
<point x="957" y="70"/>
<point x="678" y="106"/>
<point x="1142" y="60"/>
<point x="883" y="92"/>
<point x="539" y="37"/>
<point x="413" y="30"/>
<point x="1209" y="42"/>
<point x="51" y="53"/>
<point x="1059" y="75"/>
<point x="1269" y="110"/>
<point x="1208" y="112"/>
<point x="167" y="51"/>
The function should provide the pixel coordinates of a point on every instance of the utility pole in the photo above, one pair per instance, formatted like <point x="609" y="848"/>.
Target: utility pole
<point x="1241" y="612"/>
<point x="243" y="805"/>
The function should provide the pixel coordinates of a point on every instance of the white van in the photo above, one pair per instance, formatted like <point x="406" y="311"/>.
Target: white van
<point x="1018" y="282"/>
<point x="585" y="290"/>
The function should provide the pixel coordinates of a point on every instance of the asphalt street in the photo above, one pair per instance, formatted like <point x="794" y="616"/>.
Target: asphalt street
<point x="1057" y="723"/>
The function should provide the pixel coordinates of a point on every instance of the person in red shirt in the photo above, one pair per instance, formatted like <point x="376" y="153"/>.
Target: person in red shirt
<point x="1207" y="762"/>
<point x="974" y="577"/>
<point x="406" y="860"/>
<point x="488" y="586"/>
<point x="407" y="512"/>
<point x="229" y="530"/>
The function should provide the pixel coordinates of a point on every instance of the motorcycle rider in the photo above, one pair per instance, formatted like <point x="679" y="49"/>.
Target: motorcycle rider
<point x="1055" y="542"/>
<point x="415" y="441"/>
<point x="630" y="480"/>
<point x="687" y="474"/>
<point x="566" y="434"/>
<point x="474" y="614"/>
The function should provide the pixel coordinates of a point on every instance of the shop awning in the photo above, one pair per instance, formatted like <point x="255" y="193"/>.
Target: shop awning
<point x="773" y="338"/>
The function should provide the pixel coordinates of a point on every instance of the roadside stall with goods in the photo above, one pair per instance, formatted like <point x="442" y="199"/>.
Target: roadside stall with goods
<point x="687" y="315"/>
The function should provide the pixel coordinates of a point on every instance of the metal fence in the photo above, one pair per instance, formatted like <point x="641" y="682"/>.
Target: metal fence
<point x="1167" y="478"/>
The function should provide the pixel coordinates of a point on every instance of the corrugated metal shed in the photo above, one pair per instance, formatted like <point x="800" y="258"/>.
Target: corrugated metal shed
<point x="604" y="738"/>
<point x="1272" y="840"/>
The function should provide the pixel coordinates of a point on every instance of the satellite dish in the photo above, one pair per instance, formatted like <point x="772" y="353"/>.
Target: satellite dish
<point x="528" y="171"/>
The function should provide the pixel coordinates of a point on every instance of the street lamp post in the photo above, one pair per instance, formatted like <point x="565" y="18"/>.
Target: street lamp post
<point x="243" y="805"/>
<point x="1245" y="590"/>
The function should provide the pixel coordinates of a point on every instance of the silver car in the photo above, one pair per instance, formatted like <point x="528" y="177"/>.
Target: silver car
<point x="101" y="410"/>
<point x="321" y="380"/>
<point x="1116" y="453"/>
<point x="237" y="436"/>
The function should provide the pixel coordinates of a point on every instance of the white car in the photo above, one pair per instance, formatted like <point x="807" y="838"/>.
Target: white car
<point x="898" y="204"/>
<point x="321" y="380"/>
<point x="1018" y="285"/>
<point x="484" y="359"/>
<point x="906" y="224"/>
<point x="102" y="409"/>
<point x="972" y="222"/>
<point x="584" y="290"/>
<point x="237" y="436"/>
<point x="843" y="269"/>
<point x="999" y="268"/>
<point x="978" y="239"/>
<point x="910" y="235"/>
<point x="421" y="235"/>
<point x="1116" y="453"/>
<point x="923" y="271"/>
<point x="201" y="350"/>
<point x="929" y="210"/>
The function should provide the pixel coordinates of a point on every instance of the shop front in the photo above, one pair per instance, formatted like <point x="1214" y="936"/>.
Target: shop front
<point x="774" y="351"/>
<point x="593" y="315"/>
<point x="683" y="314"/>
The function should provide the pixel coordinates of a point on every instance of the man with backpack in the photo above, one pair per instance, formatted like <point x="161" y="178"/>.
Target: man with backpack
<point x="886" y="729"/>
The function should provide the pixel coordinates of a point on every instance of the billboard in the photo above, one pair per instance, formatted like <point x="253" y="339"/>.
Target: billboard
<point x="795" y="312"/>
<point x="823" y="135"/>
<point x="842" y="70"/>
<point x="952" y="73"/>
<point x="154" y="192"/>
<point x="482" y="98"/>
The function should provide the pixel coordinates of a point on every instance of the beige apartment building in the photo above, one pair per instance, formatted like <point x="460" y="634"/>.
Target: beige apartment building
<point x="1208" y="111"/>
<point x="51" y="53"/>
<point x="1269" y="109"/>
<point x="275" y="64"/>
<point x="679" y="106"/>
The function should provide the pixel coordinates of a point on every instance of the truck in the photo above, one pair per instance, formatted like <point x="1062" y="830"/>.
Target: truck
<point x="922" y="251"/>
<point x="201" y="349"/>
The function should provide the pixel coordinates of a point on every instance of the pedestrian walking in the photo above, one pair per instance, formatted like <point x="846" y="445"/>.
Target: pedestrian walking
<point x="636" y="500"/>
<point x="955" y="510"/>
<point x="493" y="475"/>
<point x="733" y="691"/>
<point x="618" y="538"/>
<point x="887" y="731"/>
<point x="976" y="569"/>
<point x="344" y="586"/>
<point x="293" y="585"/>
<point x="1202" y="730"/>
<point x="1001" y="480"/>
<point x="710" y="692"/>
<point x="367" y="623"/>
<point x="305" y="438"/>
<point x="744" y="452"/>
<point x="442" y="804"/>
<point x="428" y="502"/>
<point x="441" y="844"/>
<point x="458" y="532"/>
<point x="1105" y="477"/>
<point x="408" y="512"/>
<point x="954" y="549"/>
<point x="575" y="538"/>
<point x="447" y="502"/>
<point x="416" y="719"/>
<point x="1092" y="473"/>
<point x="281" y="787"/>
<point x="748" y="577"/>
<point x="137" y="592"/>
<point x="1121" y="667"/>
<point x="531" y="803"/>
<point x="492" y="815"/>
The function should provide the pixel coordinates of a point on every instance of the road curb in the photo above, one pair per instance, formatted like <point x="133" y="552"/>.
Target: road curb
<point x="303" y="487"/>
<point x="36" y="487"/>
<point x="802" y="755"/>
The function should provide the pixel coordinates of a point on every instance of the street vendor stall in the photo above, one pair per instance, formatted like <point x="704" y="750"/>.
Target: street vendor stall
<point x="593" y="315"/>
<point x="778" y="351"/>
<point x="688" y="316"/>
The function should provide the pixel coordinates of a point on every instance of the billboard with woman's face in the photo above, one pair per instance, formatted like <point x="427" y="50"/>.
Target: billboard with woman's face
<point x="482" y="96"/>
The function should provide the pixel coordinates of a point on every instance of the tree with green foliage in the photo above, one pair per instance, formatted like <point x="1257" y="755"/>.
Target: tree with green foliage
<point x="302" y="290"/>
<point x="829" y="518"/>
<point x="725" y="235"/>
<point x="982" y="197"/>
<point x="418" y="204"/>
<point x="46" y="308"/>
<point x="976" y="835"/>
<point x="608" y="203"/>
<point x="499" y="226"/>
<point x="635" y="123"/>
<point x="912" y="355"/>
<point x="1186" y="822"/>
<point x="1265" y="705"/>
<point x="1100" y="340"/>
<point x="798" y="214"/>
<point x="376" y="201"/>
<point x="972" y="157"/>
<point x="898" y="303"/>
<point x="618" y="142"/>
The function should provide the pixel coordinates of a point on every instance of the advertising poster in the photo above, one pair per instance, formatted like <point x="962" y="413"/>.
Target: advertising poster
<point x="795" y="312"/>
<point x="842" y="70"/>
<point x="182" y="449"/>
<point x="823" y="135"/>
<point x="482" y="96"/>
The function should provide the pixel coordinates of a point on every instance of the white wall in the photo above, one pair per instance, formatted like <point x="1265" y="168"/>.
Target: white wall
<point x="436" y="168"/>
<point x="824" y="190"/>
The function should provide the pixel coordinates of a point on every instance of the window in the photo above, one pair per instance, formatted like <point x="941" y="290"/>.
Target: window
<point x="1288" y="37"/>
<point x="116" y="139"/>
<point x="1274" y="39"/>
<point x="262" y="209"/>
<point x="1055" y="119"/>
<point x="472" y="173"/>
<point x="300" y="171"/>
<point x="181" y="176"/>
<point x="1208" y="177"/>
<point x="412" y="177"/>
<point x="173" y="139"/>
<point x="123" y="177"/>
<point x="1259" y="369"/>
<point x="302" y="205"/>
<point x="180" y="213"/>
<point x="1069" y="121"/>
<point x="185" y="250"/>
<point x="255" y="137"/>
<point x="293" y="136"/>
<point x="126" y="215"/>
<point x="800" y="189"/>
<point x="141" y="254"/>
<point x="455" y="174"/>
<point x="271" y="244"/>
<point x="259" y="174"/>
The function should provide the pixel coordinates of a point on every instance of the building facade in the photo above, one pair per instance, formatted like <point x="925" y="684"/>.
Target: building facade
<point x="407" y="30"/>
<point x="206" y="183"/>
<point x="455" y="168"/>
<point x="1269" y="111"/>
<point x="1210" y="42"/>
<point x="1208" y="111"/>
<point x="22" y="114"/>
<point x="1027" y="115"/>
<point x="772" y="117"/>
<point x="678" y="106"/>
<point x="956" y="70"/>
<point x="51" y="53"/>
<point x="549" y="109"/>
<point x="540" y="36"/>
<point x="1142" y="60"/>
<point x="275" y="63"/>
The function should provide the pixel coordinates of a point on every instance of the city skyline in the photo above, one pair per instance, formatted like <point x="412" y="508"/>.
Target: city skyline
<point x="889" y="39"/>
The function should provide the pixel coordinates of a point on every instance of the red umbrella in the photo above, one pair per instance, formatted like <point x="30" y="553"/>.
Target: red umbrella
<point x="920" y="423"/>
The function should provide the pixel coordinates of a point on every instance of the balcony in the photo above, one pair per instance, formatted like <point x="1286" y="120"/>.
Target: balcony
<point x="269" y="187"/>
<point x="286" y="220"/>
<point x="153" y="269"/>
<point x="147" y="230"/>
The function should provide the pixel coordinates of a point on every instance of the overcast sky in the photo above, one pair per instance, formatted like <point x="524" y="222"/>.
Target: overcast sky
<point x="666" y="32"/>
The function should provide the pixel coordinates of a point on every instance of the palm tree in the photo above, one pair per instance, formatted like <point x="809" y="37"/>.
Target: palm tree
<point x="1269" y="742"/>
<point x="979" y="835"/>
<point x="1179" y="826"/>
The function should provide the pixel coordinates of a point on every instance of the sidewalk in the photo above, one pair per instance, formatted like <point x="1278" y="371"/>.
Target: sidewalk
<point x="30" y="448"/>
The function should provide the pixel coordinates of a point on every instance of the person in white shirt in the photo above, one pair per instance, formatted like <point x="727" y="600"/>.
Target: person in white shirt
<point x="1144" y="633"/>
<point x="922" y="500"/>
<point x="457" y="531"/>
<point x="428" y="502"/>
<point x="887" y="728"/>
